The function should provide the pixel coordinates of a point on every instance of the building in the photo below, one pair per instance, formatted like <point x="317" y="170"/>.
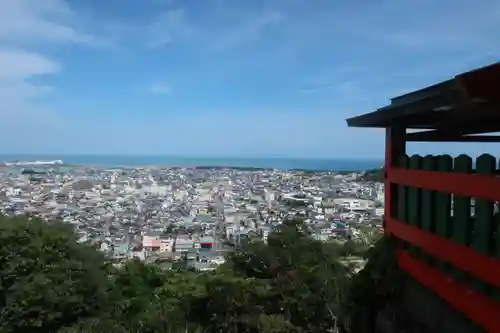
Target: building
<point x="418" y="202"/>
<point x="207" y="242"/>
<point x="183" y="244"/>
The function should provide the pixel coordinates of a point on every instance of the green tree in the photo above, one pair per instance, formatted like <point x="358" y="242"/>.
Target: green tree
<point x="378" y="283"/>
<point x="51" y="283"/>
<point x="48" y="280"/>
<point x="231" y="304"/>
<point x="295" y="203"/>
<point x="352" y="248"/>
<point x="170" y="229"/>
<point x="306" y="281"/>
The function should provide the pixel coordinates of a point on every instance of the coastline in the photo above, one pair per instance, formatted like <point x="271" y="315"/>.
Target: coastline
<point x="242" y="164"/>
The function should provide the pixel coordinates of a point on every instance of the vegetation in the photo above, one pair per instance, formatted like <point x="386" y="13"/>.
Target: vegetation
<point x="295" y="203"/>
<point x="377" y="285"/>
<point x="50" y="283"/>
<point x="375" y="175"/>
<point x="47" y="279"/>
<point x="222" y="167"/>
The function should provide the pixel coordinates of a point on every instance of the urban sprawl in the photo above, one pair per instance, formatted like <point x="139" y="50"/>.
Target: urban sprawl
<point x="194" y="216"/>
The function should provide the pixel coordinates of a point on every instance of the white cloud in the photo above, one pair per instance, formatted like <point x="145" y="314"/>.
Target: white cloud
<point x="17" y="64"/>
<point x="340" y="87"/>
<point x="160" y="88"/>
<point x="220" y="29"/>
<point x="34" y="21"/>
<point x="27" y="27"/>
<point x="248" y="29"/>
<point x="299" y="29"/>
<point x="171" y="26"/>
<point x="16" y="93"/>
<point x="425" y="24"/>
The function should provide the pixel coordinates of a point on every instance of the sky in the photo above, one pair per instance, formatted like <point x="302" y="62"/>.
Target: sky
<point x="225" y="77"/>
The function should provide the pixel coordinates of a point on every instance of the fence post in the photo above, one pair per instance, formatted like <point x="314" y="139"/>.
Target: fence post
<point x="483" y="210"/>
<point x="462" y="220"/>
<point x="443" y="206"/>
<point x="414" y="201"/>
<point x="429" y="204"/>
<point x="395" y="145"/>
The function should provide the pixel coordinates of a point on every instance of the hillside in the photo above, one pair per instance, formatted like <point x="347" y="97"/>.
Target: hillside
<point x="50" y="283"/>
<point x="375" y="175"/>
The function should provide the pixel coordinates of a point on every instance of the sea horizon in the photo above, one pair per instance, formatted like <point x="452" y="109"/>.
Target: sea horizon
<point x="283" y="163"/>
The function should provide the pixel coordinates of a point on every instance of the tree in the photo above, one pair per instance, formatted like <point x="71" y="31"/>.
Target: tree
<point x="147" y="299"/>
<point x="378" y="283"/>
<point x="51" y="283"/>
<point x="306" y="281"/>
<point x="170" y="229"/>
<point x="231" y="303"/>
<point x="376" y="175"/>
<point x="48" y="280"/>
<point x="295" y="203"/>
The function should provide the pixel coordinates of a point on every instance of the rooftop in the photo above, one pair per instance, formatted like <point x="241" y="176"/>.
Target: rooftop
<point x="469" y="103"/>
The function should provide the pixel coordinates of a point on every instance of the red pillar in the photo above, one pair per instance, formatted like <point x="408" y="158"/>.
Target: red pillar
<point x="395" y="147"/>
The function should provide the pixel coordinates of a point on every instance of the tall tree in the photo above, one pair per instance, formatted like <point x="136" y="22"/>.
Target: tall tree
<point x="48" y="280"/>
<point x="306" y="281"/>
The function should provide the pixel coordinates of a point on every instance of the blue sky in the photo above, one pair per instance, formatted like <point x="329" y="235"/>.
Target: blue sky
<point x="224" y="77"/>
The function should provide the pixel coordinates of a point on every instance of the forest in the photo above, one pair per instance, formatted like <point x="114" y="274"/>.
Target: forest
<point x="51" y="283"/>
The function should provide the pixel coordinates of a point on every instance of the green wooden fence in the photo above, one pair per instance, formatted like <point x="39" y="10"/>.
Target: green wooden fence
<point x="467" y="221"/>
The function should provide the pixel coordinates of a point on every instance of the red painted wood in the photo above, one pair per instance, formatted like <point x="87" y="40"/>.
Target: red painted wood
<point x="481" y="266"/>
<point x="479" y="186"/>
<point x="477" y="307"/>
<point x="395" y="146"/>
<point x="387" y="185"/>
<point x="482" y="83"/>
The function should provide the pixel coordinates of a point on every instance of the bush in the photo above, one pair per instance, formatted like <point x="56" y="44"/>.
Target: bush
<point x="47" y="279"/>
<point x="51" y="283"/>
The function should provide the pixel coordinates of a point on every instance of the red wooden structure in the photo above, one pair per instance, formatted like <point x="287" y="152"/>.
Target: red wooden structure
<point x="462" y="109"/>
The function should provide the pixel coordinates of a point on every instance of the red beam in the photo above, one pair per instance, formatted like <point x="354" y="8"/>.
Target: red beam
<point x="482" y="83"/>
<point x="395" y="147"/>
<point x="388" y="164"/>
<point x="467" y="259"/>
<point x="477" y="307"/>
<point x="436" y="136"/>
<point x="472" y="185"/>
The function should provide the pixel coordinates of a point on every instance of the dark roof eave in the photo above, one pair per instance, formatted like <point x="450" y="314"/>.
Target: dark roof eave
<point x="371" y="119"/>
<point x="379" y="118"/>
<point x="437" y="104"/>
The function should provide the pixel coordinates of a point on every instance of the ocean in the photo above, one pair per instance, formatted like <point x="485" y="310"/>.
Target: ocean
<point x="275" y="163"/>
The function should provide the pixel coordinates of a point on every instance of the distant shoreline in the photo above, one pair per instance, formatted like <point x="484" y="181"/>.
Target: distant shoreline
<point x="242" y="164"/>
<point x="200" y="167"/>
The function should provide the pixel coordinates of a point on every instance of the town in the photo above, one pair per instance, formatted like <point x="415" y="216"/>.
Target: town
<point x="192" y="215"/>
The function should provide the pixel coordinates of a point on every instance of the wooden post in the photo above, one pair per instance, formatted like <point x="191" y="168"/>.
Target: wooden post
<point x="395" y="147"/>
